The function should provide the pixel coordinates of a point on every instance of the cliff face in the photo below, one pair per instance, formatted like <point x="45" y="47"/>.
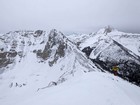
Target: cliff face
<point x="115" y="48"/>
<point x="41" y="59"/>
<point x="15" y="46"/>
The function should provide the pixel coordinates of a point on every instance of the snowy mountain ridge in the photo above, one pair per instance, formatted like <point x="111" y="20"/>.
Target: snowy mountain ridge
<point x="109" y="47"/>
<point x="40" y="59"/>
<point x="37" y="67"/>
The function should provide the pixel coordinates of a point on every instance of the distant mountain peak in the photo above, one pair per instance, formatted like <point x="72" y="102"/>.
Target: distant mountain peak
<point x="106" y="30"/>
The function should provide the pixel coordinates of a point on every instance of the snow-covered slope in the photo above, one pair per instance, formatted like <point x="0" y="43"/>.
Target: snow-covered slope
<point x="40" y="61"/>
<point x="89" y="89"/>
<point x="16" y="45"/>
<point x="109" y="47"/>
<point x="78" y="38"/>
<point x="47" y="68"/>
<point x="128" y="40"/>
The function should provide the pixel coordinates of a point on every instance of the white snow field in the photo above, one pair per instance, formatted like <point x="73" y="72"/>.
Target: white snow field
<point x="29" y="80"/>
<point x="94" y="88"/>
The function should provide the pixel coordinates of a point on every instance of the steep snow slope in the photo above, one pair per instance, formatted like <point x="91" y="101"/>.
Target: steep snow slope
<point x="16" y="45"/>
<point x="109" y="47"/>
<point x="35" y="64"/>
<point x="78" y="38"/>
<point x="89" y="89"/>
<point x="128" y="40"/>
<point x="41" y="60"/>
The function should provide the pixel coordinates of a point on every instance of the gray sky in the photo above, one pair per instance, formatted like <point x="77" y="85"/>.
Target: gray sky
<point x="79" y="16"/>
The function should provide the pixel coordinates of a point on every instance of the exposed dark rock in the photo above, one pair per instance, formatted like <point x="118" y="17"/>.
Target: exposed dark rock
<point x="12" y="54"/>
<point x="87" y="50"/>
<point x="108" y="29"/>
<point x="38" y="33"/>
<point x="56" y="40"/>
<point x="1" y="49"/>
<point x="6" y="58"/>
<point x="116" y="54"/>
<point x="128" y="70"/>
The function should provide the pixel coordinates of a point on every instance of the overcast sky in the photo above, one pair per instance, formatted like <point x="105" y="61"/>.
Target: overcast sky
<point x="79" y="16"/>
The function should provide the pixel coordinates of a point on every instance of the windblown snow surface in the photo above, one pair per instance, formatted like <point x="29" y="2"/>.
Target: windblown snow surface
<point x="27" y="83"/>
<point x="94" y="88"/>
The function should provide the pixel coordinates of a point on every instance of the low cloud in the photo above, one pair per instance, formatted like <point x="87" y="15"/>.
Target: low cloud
<point x="81" y="16"/>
